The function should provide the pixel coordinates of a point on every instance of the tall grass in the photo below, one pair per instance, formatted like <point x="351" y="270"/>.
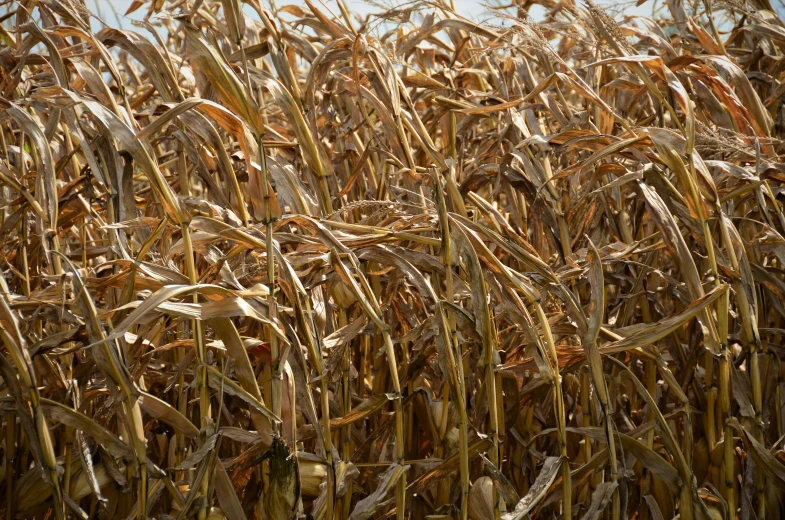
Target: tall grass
<point x="287" y="262"/>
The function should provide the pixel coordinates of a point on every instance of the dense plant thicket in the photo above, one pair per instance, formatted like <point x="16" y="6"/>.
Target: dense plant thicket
<point x="282" y="261"/>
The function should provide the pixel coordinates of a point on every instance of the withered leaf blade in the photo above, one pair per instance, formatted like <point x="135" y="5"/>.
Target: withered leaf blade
<point x="546" y="477"/>
<point x="656" y="331"/>
<point x="166" y="413"/>
<point x="366" y="507"/>
<point x="599" y="500"/>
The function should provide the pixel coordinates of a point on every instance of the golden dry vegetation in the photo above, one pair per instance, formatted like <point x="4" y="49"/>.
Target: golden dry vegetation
<point x="282" y="262"/>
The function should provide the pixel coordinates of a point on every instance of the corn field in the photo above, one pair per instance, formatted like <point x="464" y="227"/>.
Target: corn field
<point x="281" y="262"/>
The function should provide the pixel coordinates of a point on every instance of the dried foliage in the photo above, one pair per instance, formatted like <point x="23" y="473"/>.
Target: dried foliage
<point x="290" y="263"/>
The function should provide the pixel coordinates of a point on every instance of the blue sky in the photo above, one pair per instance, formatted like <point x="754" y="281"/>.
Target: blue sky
<point x="472" y="9"/>
<point x="468" y="7"/>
